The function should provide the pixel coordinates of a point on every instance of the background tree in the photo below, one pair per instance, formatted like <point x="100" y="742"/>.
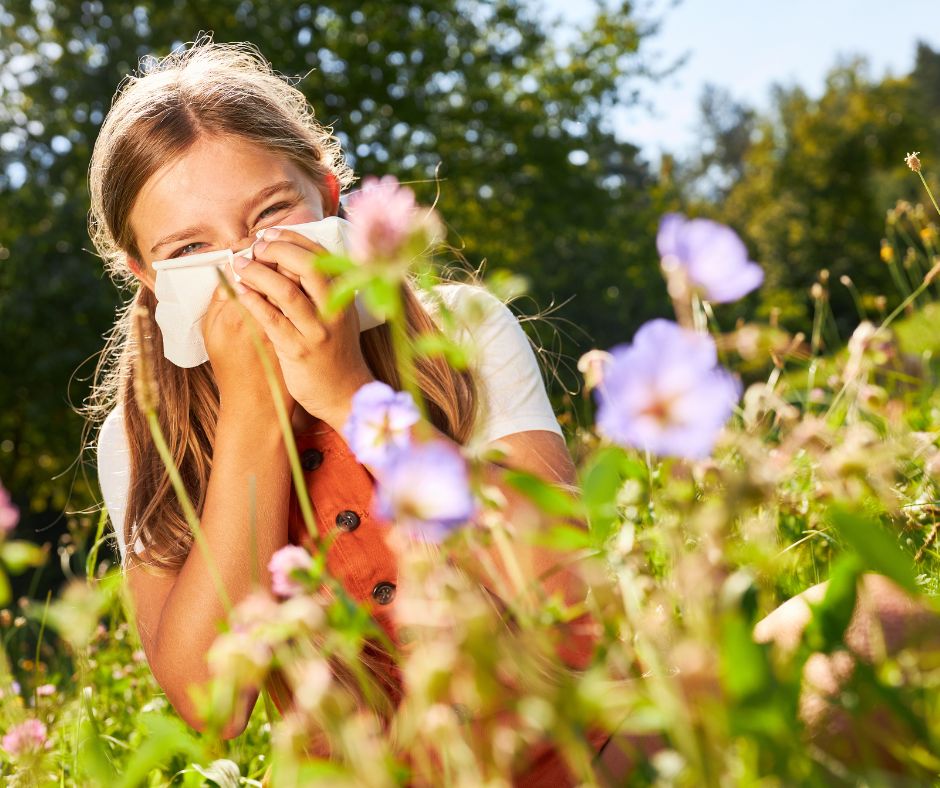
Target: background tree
<point x="476" y="93"/>
<point x="808" y="183"/>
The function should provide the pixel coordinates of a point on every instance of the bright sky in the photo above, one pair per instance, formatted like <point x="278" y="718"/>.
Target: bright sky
<point x="746" y="46"/>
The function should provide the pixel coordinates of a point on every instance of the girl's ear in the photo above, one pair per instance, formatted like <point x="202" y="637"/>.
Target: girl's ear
<point x="332" y="185"/>
<point x="143" y="272"/>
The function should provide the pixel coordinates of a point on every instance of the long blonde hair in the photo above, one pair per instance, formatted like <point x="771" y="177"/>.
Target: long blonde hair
<point x="226" y="89"/>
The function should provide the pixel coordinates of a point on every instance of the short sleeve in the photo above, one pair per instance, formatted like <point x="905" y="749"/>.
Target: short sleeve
<point x="114" y="474"/>
<point x="512" y="396"/>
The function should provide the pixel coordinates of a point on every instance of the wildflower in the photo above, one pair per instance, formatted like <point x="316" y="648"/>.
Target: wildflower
<point x="255" y="609"/>
<point x="239" y="657"/>
<point x="912" y="161"/>
<point x="711" y="256"/>
<point x="45" y="689"/>
<point x="9" y="513"/>
<point x="887" y="251"/>
<point x="27" y="737"/>
<point x="386" y="221"/>
<point x="591" y="365"/>
<point x="285" y="565"/>
<point x="665" y="394"/>
<point x="426" y="491"/>
<point x="145" y="382"/>
<point x="312" y="681"/>
<point x="379" y="423"/>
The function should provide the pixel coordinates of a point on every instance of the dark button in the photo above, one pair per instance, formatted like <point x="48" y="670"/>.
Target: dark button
<point x="383" y="593"/>
<point x="310" y="460"/>
<point x="347" y="520"/>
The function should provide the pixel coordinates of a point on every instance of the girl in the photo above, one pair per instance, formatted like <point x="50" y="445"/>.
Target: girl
<point x="201" y="152"/>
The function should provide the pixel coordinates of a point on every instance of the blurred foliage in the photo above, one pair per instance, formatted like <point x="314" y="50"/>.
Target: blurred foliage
<point x="476" y="103"/>
<point x="807" y="183"/>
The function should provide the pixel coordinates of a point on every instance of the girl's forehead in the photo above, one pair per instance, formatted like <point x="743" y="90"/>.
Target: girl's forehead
<point x="214" y="175"/>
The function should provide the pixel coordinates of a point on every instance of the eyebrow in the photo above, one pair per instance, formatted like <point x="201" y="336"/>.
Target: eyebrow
<point x="250" y="205"/>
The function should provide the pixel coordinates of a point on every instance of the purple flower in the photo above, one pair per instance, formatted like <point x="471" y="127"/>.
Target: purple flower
<point x="284" y="565"/>
<point x="28" y="736"/>
<point x="425" y="490"/>
<point x="379" y="423"/>
<point x="664" y="393"/>
<point x="712" y="257"/>
<point x="385" y="219"/>
<point x="9" y="514"/>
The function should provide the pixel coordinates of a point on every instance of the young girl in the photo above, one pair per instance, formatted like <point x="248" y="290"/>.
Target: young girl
<point x="200" y="153"/>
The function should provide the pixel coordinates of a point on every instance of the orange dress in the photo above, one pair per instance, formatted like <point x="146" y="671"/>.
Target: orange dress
<point x="340" y="490"/>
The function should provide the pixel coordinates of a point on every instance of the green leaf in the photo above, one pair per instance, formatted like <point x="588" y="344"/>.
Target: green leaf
<point x="6" y="593"/>
<point x="874" y="546"/>
<point x="745" y="666"/>
<point x="19" y="555"/>
<point x="167" y="737"/>
<point x="333" y="264"/>
<point x="601" y="478"/>
<point x="831" y="615"/>
<point x="549" y="498"/>
<point x="438" y="344"/>
<point x="561" y="537"/>
<point x="381" y="296"/>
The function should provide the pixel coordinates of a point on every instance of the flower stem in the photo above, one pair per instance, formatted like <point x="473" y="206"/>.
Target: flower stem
<point x="189" y="512"/>
<point x="929" y="193"/>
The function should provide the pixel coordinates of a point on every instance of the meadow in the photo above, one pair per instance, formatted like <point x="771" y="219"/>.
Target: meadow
<point x="727" y="469"/>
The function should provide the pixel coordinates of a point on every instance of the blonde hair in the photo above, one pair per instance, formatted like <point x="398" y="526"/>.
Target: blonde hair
<point x="212" y="89"/>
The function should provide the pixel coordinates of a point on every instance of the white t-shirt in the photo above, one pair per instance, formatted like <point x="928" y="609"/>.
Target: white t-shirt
<point x="512" y="393"/>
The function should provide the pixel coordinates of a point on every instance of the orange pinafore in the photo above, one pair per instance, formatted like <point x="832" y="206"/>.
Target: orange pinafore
<point x="341" y="490"/>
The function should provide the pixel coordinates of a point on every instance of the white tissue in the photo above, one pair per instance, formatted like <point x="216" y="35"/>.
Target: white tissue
<point x="185" y="285"/>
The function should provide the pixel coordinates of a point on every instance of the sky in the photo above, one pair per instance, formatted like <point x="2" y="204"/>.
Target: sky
<point x="746" y="46"/>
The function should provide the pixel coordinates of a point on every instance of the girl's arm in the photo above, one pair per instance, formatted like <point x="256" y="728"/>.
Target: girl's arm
<point x="178" y="616"/>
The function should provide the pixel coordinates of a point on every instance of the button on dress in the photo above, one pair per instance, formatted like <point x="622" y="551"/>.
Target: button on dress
<point x="341" y="490"/>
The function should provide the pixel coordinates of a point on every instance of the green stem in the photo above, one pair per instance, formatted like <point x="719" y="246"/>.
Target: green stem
<point x="929" y="193"/>
<point x="189" y="512"/>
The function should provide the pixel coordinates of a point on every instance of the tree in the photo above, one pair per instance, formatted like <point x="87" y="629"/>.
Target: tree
<point x="476" y="92"/>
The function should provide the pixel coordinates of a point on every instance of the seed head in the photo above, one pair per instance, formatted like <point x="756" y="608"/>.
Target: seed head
<point x="912" y="161"/>
<point x="145" y="382"/>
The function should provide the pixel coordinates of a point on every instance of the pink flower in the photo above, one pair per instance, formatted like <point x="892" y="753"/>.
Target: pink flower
<point x="284" y="565"/>
<point x="386" y="220"/>
<point x="45" y="689"/>
<point x="9" y="514"/>
<point x="29" y="736"/>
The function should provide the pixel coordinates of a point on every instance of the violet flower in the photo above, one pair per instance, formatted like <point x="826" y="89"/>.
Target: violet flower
<point x="425" y="491"/>
<point x="379" y="423"/>
<point x="665" y="393"/>
<point x="283" y="566"/>
<point x="385" y="220"/>
<point x="712" y="257"/>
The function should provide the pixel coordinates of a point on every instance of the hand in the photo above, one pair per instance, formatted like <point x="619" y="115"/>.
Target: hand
<point x="236" y="363"/>
<point x="321" y="359"/>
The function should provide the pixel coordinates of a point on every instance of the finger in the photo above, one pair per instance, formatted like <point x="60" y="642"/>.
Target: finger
<point x="278" y="328"/>
<point x="296" y="254"/>
<point x="283" y="293"/>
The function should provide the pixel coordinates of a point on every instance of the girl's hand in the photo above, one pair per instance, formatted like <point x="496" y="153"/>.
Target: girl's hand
<point x="236" y="364"/>
<point x="321" y="360"/>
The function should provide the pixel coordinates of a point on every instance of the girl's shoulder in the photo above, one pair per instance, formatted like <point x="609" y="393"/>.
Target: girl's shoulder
<point x="512" y="393"/>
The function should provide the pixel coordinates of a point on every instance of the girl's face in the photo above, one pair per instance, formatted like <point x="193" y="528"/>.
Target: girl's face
<point x="217" y="196"/>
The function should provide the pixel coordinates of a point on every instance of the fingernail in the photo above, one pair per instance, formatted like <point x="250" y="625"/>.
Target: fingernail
<point x="269" y="233"/>
<point x="241" y="262"/>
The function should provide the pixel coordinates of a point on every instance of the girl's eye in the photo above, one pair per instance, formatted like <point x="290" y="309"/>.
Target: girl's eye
<point x="182" y="251"/>
<point x="277" y="207"/>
